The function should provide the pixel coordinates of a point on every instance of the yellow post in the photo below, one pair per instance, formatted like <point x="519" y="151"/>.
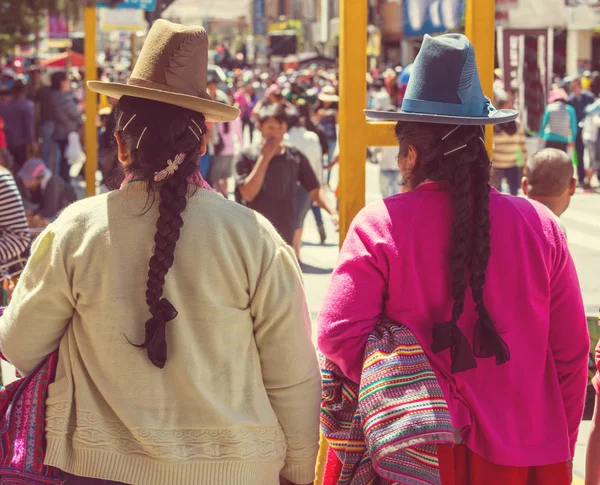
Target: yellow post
<point x="353" y="100"/>
<point x="355" y="133"/>
<point x="91" y="131"/>
<point x="480" y="26"/>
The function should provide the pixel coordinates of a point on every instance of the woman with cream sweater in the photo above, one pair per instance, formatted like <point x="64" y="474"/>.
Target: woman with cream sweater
<point x="221" y="384"/>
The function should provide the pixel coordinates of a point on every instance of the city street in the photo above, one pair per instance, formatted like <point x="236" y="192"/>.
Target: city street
<point x="583" y="229"/>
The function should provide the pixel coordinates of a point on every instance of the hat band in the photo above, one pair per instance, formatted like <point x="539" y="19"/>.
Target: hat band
<point x="142" y="83"/>
<point x="418" y="106"/>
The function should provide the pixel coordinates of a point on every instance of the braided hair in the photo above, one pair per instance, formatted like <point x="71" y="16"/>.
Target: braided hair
<point x="457" y="155"/>
<point x="154" y="133"/>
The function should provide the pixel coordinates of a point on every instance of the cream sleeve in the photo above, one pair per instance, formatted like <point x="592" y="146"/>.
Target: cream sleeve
<point x="289" y="365"/>
<point x="41" y="307"/>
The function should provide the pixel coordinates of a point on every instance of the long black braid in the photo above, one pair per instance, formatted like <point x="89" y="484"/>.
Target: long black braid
<point x="486" y="342"/>
<point x="457" y="155"/>
<point x="159" y="132"/>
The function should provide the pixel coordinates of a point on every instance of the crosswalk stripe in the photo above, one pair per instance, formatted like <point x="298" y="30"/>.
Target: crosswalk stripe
<point x="581" y="217"/>
<point x="583" y="239"/>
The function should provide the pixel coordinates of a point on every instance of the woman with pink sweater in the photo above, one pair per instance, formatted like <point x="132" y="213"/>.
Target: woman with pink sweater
<point x="485" y="282"/>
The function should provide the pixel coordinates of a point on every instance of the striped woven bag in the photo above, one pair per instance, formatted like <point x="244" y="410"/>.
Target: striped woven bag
<point x="386" y="430"/>
<point x="22" y="428"/>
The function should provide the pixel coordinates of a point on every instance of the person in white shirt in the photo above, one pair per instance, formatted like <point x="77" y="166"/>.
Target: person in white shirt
<point x="389" y="173"/>
<point x="308" y="143"/>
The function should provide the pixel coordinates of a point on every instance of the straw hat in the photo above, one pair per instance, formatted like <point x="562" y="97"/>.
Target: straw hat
<point x="328" y="95"/>
<point x="172" y="68"/>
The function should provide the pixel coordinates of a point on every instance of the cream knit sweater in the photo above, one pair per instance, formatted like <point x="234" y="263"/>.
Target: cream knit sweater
<point x="238" y="400"/>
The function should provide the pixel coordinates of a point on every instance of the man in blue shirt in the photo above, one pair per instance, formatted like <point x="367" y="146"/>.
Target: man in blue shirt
<point x="580" y="100"/>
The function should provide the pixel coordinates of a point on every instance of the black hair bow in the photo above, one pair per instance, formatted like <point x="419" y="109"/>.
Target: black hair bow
<point x="156" y="338"/>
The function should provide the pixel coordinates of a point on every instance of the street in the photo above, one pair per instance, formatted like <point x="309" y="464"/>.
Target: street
<point x="583" y="230"/>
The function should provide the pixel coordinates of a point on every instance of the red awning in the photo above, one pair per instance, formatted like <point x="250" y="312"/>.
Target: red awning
<point x="77" y="60"/>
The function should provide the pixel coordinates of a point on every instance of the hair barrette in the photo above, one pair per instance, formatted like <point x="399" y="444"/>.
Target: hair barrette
<point x="140" y="138"/>
<point x="171" y="168"/>
<point x="198" y="126"/>
<point x="130" y="120"/>
<point x="195" y="134"/>
<point x="450" y="132"/>
<point x="455" y="150"/>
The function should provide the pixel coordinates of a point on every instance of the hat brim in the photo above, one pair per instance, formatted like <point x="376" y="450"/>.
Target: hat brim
<point x="213" y="111"/>
<point x="496" y="117"/>
<point x="329" y="98"/>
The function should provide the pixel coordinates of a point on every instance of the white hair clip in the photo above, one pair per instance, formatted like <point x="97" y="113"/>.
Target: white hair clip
<point x="172" y="166"/>
<point x="450" y="132"/>
<point x="119" y="121"/>
<point x="140" y="139"/>
<point x="195" y="134"/>
<point x="130" y="120"/>
<point x="197" y="126"/>
<point x="455" y="150"/>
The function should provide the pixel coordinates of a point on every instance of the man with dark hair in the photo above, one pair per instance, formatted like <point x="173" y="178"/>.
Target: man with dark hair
<point x="267" y="176"/>
<point x="549" y="179"/>
<point x="580" y="100"/>
<point x="19" y="124"/>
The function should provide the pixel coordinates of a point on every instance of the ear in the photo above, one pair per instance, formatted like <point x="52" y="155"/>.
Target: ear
<point x="412" y="156"/>
<point x="572" y="187"/>
<point x="203" y="146"/>
<point x="123" y="152"/>
<point x="525" y="186"/>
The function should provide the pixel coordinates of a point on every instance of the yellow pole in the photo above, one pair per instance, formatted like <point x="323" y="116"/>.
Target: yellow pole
<point x="480" y="26"/>
<point x="91" y="132"/>
<point x="353" y="100"/>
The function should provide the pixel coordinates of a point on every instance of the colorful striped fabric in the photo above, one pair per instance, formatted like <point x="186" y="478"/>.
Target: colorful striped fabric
<point x="388" y="427"/>
<point x="22" y="428"/>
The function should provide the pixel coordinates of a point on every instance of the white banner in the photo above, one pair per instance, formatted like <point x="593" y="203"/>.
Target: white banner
<point x="122" y="19"/>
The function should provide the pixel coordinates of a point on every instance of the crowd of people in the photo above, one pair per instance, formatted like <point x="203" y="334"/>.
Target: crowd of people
<point x="174" y="320"/>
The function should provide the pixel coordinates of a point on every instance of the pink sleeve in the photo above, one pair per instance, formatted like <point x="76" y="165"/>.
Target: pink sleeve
<point x="569" y="336"/>
<point x="354" y="300"/>
<point x="596" y="379"/>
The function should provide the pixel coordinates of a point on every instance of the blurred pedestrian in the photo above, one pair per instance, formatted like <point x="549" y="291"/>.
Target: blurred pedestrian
<point x="559" y="125"/>
<point x="308" y="144"/>
<point x="580" y="99"/>
<point x="326" y="116"/>
<point x="268" y="175"/>
<point x="389" y="173"/>
<point x="273" y="97"/>
<point x="509" y="140"/>
<point x="6" y="159"/>
<point x="245" y="103"/>
<point x="49" y="150"/>
<point x="215" y="92"/>
<point x="14" y="230"/>
<point x="44" y="193"/>
<point x="221" y="167"/>
<point x="67" y="119"/>
<point x="590" y="131"/>
<point x="18" y="114"/>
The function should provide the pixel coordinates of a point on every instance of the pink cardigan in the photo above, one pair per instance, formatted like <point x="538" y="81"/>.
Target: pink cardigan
<point x="395" y="260"/>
